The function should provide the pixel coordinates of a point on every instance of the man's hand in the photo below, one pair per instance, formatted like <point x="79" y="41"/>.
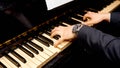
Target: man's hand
<point x="64" y="32"/>
<point x="95" y="18"/>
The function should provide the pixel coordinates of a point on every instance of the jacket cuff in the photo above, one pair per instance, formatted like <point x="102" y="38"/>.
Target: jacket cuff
<point x="114" y="18"/>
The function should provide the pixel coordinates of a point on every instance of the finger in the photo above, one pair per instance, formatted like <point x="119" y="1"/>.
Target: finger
<point x="88" y="23"/>
<point x="84" y="17"/>
<point x="89" y="12"/>
<point x="55" y="29"/>
<point x="55" y="33"/>
<point x="87" y="15"/>
<point x="59" y="41"/>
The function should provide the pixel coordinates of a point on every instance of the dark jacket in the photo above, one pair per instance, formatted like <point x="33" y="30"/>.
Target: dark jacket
<point x="103" y="42"/>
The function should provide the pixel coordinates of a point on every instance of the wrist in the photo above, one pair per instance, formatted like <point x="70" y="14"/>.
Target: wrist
<point x="106" y="17"/>
<point x="76" y="28"/>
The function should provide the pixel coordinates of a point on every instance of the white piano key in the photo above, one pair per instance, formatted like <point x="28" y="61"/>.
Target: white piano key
<point x="9" y="62"/>
<point x="45" y="55"/>
<point x="110" y="7"/>
<point x="78" y="20"/>
<point x="34" y="58"/>
<point x="23" y="65"/>
<point x="2" y="65"/>
<point x="45" y="50"/>
<point x="41" y="53"/>
<point x="51" y="55"/>
<point x="31" y="62"/>
<point x="49" y="37"/>
<point x="37" y="56"/>
<point x="5" y="63"/>
<point x="54" y="40"/>
<point x="61" y="46"/>
<point x="50" y="48"/>
<point x="54" y="49"/>
<point x="65" y="24"/>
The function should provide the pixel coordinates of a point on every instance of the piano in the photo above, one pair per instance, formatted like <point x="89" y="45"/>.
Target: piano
<point x="32" y="46"/>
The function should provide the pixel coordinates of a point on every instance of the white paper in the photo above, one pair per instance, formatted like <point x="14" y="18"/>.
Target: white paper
<point x="55" y="3"/>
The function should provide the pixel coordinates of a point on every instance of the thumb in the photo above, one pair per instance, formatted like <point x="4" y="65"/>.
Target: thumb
<point x="59" y="41"/>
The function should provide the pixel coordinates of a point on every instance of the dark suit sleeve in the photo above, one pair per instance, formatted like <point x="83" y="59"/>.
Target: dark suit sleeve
<point x="100" y="41"/>
<point x="115" y="18"/>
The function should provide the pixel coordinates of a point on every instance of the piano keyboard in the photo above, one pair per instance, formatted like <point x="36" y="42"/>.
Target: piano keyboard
<point x="107" y="9"/>
<point x="39" y="50"/>
<point x="110" y="7"/>
<point x="34" y="53"/>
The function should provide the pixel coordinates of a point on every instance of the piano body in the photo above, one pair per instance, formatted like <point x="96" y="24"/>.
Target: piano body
<point x="32" y="47"/>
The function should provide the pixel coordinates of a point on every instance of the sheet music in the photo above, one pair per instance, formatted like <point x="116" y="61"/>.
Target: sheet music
<point x="55" y="3"/>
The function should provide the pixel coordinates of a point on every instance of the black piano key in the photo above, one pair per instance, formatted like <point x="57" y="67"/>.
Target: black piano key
<point x="31" y="48"/>
<point x="26" y="51"/>
<point x="45" y="39"/>
<point x="47" y="32"/>
<point x="42" y="41"/>
<point x="12" y="60"/>
<point x="2" y="65"/>
<point x="18" y="56"/>
<point x="55" y="37"/>
<point x="35" y="45"/>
